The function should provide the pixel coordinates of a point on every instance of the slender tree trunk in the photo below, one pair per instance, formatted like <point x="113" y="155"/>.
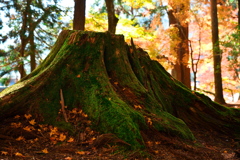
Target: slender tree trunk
<point x="239" y="13"/>
<point x="24" y="39"/>
<point x="32" y="51"/>
<point x="79" y="15"/>
<point x="112" y="19"/>
<point x="216" y="55"/>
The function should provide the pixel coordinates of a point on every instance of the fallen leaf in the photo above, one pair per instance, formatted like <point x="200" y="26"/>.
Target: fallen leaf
<point x="16" y="117"/>
<point x="16" y="125"/>
<point x="45" y="151"/>
<point x="20" y="138"/>
<point x="70" y="140"/>
<point x="80" y="152"/>
<point x="78" y="76"/>
<point x="28" y="128"/>
<point x="62" y="137"/>
<point x="32" y="122"/>
<point x="68" y="158"/>
<point x="18" y="154"/>
<point x="149" y="121"/>
<point x="4" y="153"/>
<point x="27" y="116"/>
<point x="53" y="131"/>
<point x="137" y="107"/>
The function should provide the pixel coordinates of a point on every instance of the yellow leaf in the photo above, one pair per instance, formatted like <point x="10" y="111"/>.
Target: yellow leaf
<point x="80" y="152"/>
<point x="32" y="122"/>
<point x="62" y="137"/>
<point x="70" y="140"/>
<point x="16" y="117"/>
<point x="4" y="153"/>
<point x="18" y="154"/>
<point x="45" y="150"/>
<point x="149" y="121"/>
<point x="137" y="107"/>
<point x="27" y="116"/>
<point x="20" y="138"/>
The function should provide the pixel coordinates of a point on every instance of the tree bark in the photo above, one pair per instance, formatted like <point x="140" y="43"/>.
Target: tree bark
<point x="216" y="54"/>
<point x="119" y="87"/>
<point x="79" y="15"/>
<point x="112" y="19"/>
<point x="181" y="70"/>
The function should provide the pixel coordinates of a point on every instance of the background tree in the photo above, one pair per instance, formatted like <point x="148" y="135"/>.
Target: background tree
<point x="79" y="15"/>
<point x="216" y="54"/>
<point x="178" y="20"/>
<point x="112" y="19"/>
<point x="34" y="25"/>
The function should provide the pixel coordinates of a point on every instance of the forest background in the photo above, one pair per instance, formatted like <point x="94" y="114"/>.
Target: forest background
<point x="145" y="21"/>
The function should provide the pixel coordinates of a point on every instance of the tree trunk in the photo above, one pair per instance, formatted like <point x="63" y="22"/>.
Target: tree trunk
<point x="112" y="19"/>
<point x="79" y="15"/>
<point x="181" y="70"/>
<point x="216" y="55"/>
<point x="118" y="86"/>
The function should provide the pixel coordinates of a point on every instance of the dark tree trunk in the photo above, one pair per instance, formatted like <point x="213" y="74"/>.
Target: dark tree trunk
<point x="32" y="51"/>
<point x="216" y="54"/>
<point x="79" y="15"/>
<point x="112" y="19"/>
<point x="118" y="86"/>
<point x="181" y="70"/>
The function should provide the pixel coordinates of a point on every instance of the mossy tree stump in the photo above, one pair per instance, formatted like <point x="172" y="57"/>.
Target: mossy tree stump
<point x="120" y="88"/>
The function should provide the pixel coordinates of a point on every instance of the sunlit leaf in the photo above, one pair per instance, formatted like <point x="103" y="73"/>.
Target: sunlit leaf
<point x="70" y="140"/>
<point x="20" y="138"/>
<point x="137" y="107"/>
<point x="18" y="154"/>
<point x="45" y="151"/>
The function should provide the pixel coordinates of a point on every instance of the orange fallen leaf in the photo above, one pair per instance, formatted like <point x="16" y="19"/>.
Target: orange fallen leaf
<point x="78" y="76"/>
<point x="70" y="140"/>
<point x="68" y="158"/>
<point x="28" y="128"/>
<point x="27" y="116"/>
<point x="32" y="122"/>
<point x="62" y="137"/>
<point x="137" y="107"/>
<point x="20" y="138"/>
<point x="45" y="151"/>
<point x="16" y="125"/>
<point x="18" y="154"/>
<point x="4" y="153"/>
<point x="16" y="117"/>
<point x="80" y="152"/>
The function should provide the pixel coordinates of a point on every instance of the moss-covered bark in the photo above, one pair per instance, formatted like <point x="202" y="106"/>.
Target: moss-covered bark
<point x="120" y="88"/>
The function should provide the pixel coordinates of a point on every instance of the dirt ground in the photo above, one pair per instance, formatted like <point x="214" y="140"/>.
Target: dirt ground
<point x="22" y="137"/>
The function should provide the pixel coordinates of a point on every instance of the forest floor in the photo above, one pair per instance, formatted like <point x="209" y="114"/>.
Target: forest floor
<point x="22" y="137"/>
